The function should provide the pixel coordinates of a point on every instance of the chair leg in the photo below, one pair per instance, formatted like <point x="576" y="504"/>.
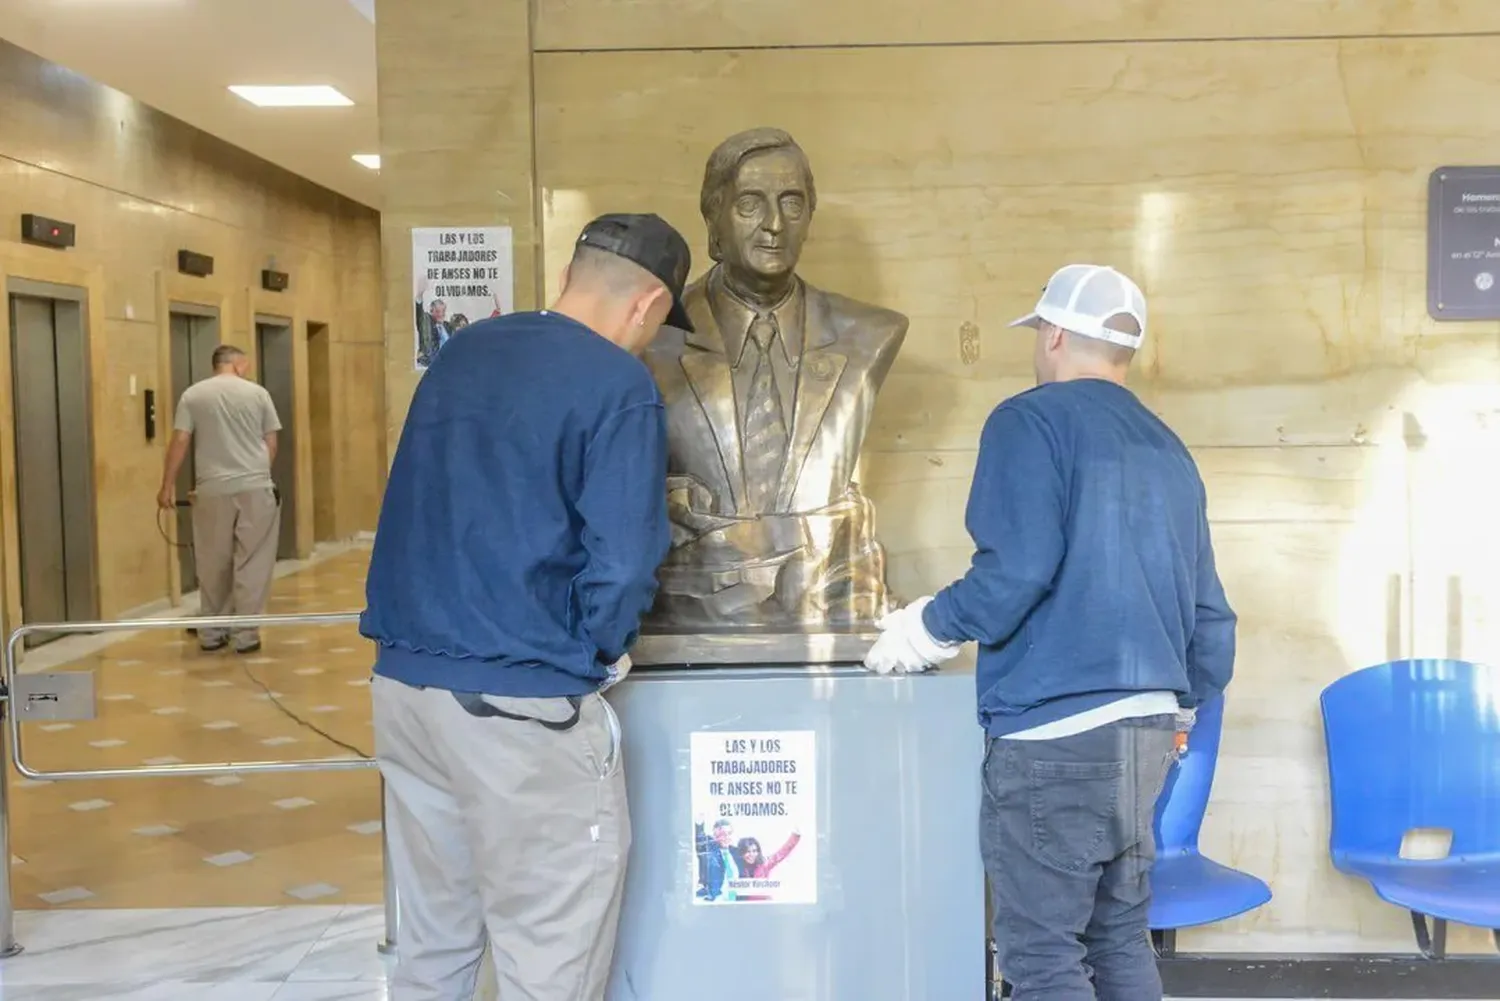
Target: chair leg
<point x="1435" y="945"/>
<point x="1164" y="942"/>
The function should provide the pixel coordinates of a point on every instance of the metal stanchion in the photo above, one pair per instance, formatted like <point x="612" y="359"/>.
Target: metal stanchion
<point x="8" y="944"/>
<point x="40" y="694"/>
<point x="391" y="897"/>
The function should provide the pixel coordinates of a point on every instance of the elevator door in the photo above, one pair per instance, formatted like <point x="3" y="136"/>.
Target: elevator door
<point x="195" y="335"/>
<point x="273" y="346"/>
<point x="54" y="459"/>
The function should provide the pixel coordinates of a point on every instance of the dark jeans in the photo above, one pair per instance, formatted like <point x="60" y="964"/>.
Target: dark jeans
<point x="1065" y="832"/>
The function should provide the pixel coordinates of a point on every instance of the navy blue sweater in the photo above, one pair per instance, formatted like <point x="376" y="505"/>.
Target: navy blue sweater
<point x="1093" y="577"/>
<point x="524" y="516"/>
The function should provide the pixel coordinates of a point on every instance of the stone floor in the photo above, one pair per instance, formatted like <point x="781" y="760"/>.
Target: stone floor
<point x="227" y="841"/>
<point x="298" y="953"/>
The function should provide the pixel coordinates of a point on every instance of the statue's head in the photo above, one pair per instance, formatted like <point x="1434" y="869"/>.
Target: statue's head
<point x="758" y="200"/>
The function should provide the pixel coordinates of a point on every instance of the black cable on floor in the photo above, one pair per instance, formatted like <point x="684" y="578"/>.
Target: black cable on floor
<point x="275" y="701"/>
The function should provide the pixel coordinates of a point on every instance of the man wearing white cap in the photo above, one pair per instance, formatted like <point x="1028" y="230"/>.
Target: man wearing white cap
<point x="1101" y="626"/>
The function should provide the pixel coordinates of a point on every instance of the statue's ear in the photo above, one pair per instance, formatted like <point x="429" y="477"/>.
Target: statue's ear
<point x="713" y="244"/>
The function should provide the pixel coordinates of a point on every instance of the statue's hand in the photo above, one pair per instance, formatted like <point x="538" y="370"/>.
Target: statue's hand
<point x="690" y="508"/>
<point x="688" y="526"/>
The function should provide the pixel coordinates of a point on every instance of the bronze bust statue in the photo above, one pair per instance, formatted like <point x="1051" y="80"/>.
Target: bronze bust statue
<point x="768" y="403"/>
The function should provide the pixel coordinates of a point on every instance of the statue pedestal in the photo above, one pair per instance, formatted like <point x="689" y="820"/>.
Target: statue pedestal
<point x="864" y="792"/>
<point x="762" y="647"/>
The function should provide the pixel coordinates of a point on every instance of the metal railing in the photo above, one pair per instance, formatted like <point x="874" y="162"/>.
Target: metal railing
<point x="58" y="695"/>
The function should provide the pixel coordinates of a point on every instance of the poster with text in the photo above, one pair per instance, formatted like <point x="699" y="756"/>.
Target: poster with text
<point x="460" y="275"/>
<point x="754" y="803"/>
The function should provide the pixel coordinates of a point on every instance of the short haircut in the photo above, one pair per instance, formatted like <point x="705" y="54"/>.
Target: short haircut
<point x="1106" y="351"/>
<point x="224" y="354"/>
<point x="607" y="273"/>
<point x="724" y="166"/>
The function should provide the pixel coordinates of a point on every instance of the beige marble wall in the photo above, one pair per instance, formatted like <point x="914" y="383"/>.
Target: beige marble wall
<point x="586" y="25"/>
<point x="455" y="148"/>
<point x="1270" y="198"/>
<point x="139" y="186"/>
<point x="1268" y="190"/>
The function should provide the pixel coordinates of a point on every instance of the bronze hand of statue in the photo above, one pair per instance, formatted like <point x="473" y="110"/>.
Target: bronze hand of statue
<point x="690" y="509"/>
<point x="726" y="539"/>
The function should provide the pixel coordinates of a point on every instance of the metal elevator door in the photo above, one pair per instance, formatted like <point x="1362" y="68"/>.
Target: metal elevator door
<point x="274" y="350"/>
<point x="54" y="460"/>
<point x="195" y="335"/>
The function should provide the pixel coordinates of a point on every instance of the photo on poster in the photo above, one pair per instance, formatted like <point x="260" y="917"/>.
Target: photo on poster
<point x="754" y="808"/>
<point x="460" y="275"/>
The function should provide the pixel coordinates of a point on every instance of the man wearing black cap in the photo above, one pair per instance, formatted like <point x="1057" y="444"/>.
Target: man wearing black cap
<point x="523" y="521"/>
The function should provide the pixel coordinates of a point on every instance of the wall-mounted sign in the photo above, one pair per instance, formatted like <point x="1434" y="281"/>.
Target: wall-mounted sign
<point x="460" y="275"/>
<point x="1463" y="243"/>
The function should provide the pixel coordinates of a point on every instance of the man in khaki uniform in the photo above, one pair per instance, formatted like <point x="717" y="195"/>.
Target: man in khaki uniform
<point x="236" y="511"/>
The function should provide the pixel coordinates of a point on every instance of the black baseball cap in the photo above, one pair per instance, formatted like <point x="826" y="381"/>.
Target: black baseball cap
<point x="651" y="242"/>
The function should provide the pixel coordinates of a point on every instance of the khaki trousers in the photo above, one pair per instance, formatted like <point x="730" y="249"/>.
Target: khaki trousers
<point x="234" y="550"/>
<point x="506" y="832"/>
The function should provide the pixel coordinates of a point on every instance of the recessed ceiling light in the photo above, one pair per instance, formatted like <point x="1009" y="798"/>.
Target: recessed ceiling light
<point x="371" y="160"/>
<point x="293" y="97"/>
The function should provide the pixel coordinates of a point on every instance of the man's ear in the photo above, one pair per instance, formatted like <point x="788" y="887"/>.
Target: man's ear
<point x="646" y="302"/>
<point x="563" y="278"/>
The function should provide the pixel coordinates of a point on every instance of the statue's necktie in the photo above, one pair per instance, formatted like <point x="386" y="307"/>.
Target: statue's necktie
<point x="765" y="434"/>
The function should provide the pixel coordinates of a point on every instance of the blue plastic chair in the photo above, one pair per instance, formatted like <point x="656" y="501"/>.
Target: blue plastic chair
<point x="1188" y="889"/>
<point x="1416" y="744"/>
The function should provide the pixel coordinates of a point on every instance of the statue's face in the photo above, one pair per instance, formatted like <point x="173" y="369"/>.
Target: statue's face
<point x="764" y="217"/>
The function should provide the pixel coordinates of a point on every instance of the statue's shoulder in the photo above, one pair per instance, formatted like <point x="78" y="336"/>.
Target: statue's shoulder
<point x="696" y="291"/>
<point x="863" y="320"/>
<point x="666" y="348"/>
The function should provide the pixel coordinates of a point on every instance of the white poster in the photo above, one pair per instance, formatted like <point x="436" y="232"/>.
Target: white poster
<point x="754" y="817"/>
<point x="460" y="275"/>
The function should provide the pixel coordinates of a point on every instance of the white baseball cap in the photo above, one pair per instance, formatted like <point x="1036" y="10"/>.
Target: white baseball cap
<point x="1083" y="298"/>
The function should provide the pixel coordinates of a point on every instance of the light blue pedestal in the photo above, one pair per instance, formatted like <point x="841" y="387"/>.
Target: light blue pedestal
<point x="899" y="885"/>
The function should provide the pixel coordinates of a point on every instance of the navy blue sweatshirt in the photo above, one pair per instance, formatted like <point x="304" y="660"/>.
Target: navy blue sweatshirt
<point x="524" y="515"/>
<point x="1093" y="577"/>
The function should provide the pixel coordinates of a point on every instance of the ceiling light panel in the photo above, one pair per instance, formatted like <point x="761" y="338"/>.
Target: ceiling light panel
<point x="371" y="160"/>
<point x="320" y="96"/>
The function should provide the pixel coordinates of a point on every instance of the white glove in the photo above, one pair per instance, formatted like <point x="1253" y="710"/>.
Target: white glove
<point x="617" y="672"/>
<point x="1186" y="719"/>
<point x="905" y="646"/>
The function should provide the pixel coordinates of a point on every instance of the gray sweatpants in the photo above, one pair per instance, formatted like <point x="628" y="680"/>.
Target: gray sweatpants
<point x="234" y="552"/>
<point x="501" y="831"/>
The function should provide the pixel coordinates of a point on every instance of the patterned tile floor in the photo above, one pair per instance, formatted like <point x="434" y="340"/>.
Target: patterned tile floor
<point x="256" y="840"/>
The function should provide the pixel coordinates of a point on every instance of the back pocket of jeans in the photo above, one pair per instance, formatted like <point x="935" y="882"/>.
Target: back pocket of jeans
<point x="1074" y="806"/>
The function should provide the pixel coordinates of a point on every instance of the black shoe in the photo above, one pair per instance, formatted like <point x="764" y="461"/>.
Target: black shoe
<point x="252" y="648"/>
<point x="209" y="646"/>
